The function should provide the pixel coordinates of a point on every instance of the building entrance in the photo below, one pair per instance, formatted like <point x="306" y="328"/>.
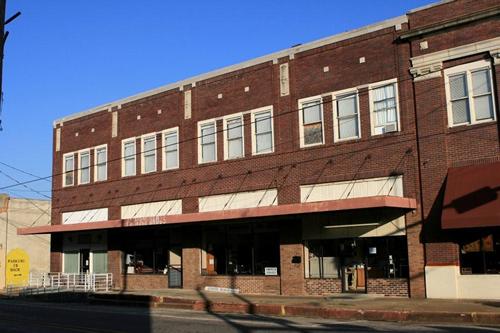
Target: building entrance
<point x="84" y="261"/>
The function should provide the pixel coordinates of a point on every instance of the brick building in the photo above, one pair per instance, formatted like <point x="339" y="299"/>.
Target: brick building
<point x="319" y="169"/>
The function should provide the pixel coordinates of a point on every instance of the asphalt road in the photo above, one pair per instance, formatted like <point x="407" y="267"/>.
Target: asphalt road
<point x="19" y="316"/>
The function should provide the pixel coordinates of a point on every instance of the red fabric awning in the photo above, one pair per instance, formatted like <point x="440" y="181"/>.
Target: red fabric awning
<point x="471" y="197"/>
<point x="279" y="210"/>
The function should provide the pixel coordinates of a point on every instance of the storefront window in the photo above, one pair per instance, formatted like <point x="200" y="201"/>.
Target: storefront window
<point x="480" y="255"/>
<point x="240" y="250"/>
<point x="146" y="254"/>
<point x="382" y="257"/>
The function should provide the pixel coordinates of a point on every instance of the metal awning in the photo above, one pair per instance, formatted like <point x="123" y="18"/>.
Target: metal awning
<point x="471" y="197"/>
<point x="233" y="214"/>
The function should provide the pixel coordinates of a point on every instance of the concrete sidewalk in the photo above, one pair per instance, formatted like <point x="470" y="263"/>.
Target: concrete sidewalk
<point x="353" y="307"/>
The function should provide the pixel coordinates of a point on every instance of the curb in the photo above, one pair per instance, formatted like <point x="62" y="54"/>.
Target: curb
<point x="489" y="318"/>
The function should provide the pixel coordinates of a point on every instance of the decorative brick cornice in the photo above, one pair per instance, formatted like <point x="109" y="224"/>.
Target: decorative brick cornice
<point x="430" y="65"/>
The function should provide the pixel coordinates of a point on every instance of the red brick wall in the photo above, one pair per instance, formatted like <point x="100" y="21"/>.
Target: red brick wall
<point x="246" y="284"/>
<point x="320" y="287"/>
<point x="388" y="287"/>
<point x="142" y="282"/>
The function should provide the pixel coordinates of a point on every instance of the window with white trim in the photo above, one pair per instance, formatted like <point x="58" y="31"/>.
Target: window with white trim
<point x="128" y="157"/>
<point x="346" y="116"/>
<point x="384" y="107"/>
<point x="69" y="170"/>
<point x="84" y="167"/>
<point x="469" y="93"/>
<point x="171" y="149"/>
<point x="207" y="148"/>
<point x="233" y="137"/>
<point x="311" y="122"/>
<point x="149" y="153"/>
<point x="262" y="132"/>
<point x="101" y="163"/>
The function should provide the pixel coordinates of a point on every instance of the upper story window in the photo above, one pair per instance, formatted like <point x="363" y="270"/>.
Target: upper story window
<point x="384" y="107"/>
<point x="69" y="169"/>
<point x="233" y="138"/>
<point x="346" y="115"/>
<point x="101" y="163"/>
<point x="469" y="93"/>
<point x="311" y="122"/>
<point x="207" y="142"/>
<point x="171" y="149"/>
<point x="84" y="167"/>
<point x="128" y="157"/>
<point x="262" y="131"/>
<point x="148" y="153"/>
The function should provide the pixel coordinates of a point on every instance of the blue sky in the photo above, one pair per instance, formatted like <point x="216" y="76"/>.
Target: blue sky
<point x="66" y="56"/>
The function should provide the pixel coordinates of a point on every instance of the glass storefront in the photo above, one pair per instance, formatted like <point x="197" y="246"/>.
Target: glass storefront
<point x="480" y="253"/>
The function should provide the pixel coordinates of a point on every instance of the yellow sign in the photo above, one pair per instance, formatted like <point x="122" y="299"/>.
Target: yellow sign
<point x="18" y="268"/>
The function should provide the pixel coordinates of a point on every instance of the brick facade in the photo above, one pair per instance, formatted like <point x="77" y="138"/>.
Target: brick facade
<point x="422" y="151"/>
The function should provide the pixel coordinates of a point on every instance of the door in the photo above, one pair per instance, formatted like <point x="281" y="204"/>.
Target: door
<point x="175" y="268"/>
<point x="85" y="261"/>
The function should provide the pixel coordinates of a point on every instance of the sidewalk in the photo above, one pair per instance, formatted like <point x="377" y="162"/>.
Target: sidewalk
<point x="352" y="307"/>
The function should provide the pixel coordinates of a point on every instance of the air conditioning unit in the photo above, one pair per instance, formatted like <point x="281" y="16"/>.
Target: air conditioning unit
<point x="390" y="128"/>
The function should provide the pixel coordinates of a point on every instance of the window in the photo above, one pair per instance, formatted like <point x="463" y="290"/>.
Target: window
<point x="311" y="122"/>
<point x="148" y="153"/>
<point x="84" y="167"/>
<point x="480" y="254"/>
<point x="262" y="131"/>
<point x="233" y="143"/>
<point x="68" y="170"/>
<point x="469" y="93"/>
<point x="101" y="163"/>
<point x="384" y="107"/>
<point x="207" y="151"/>
<point x="128" y="155"/>
<point x="171" y="149"/>
<point x="346" y="116"/>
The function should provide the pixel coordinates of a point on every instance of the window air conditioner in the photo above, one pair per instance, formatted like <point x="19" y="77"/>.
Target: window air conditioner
<point x="390" y="128"/>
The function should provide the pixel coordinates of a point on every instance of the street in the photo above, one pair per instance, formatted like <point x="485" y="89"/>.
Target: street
<point x="20" y="316"/>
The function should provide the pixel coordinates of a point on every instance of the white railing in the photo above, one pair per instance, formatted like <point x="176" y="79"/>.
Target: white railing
<point x="90" y="282"/>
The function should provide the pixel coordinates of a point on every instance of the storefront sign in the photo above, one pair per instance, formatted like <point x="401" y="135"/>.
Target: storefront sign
<point x="271" y="271"/>
<point x="222" y="290"/>
<point x="18" y="268"/>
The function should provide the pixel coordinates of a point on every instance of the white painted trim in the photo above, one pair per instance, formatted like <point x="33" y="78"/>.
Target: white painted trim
<point x="468" y="69"/>
<point x="252" y="123"/>
<point x="95" y="162"/>
<point x="80" y="153"/>
<point x="301" y="121"/>
<point x="200" y="124"/>
<point x="64" y="169"/>
<point x="392" y="22"/>
<point x="335" y="97"/>
<point x="125" y="141"/>
<point x="225" y="119"/>
<point x="143" y="138"/>
<point x="375" y="85"/>
<point x="164" y="134"/>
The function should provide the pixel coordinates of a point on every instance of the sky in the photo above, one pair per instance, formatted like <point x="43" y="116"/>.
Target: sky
<point x="62" y="57"/>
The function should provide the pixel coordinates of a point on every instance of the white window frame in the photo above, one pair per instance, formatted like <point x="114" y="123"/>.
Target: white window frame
<point x="165" y="133"/>
<point x="72" y="155"/>
<point x="254" y="134"/>
<point x="143" y="152"/>
<point x="225" y="121"/>
<point x="124" y="142"/>
<point x="301" y="121"/>
<point x="468" y="69"/>
<point x="104" y="146"/>
<point x="200" y="125"/>
<point x="338" y="95"/>
<point x="80" y="169"/>
<point x="376" y="85"/>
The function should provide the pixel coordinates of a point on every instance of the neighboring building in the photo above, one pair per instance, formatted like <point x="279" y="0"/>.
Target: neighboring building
<point x="21" y="255"/>
<point x="315" y="170"/>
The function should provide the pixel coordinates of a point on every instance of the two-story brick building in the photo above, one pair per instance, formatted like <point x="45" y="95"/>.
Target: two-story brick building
<point x="315" y="170"/>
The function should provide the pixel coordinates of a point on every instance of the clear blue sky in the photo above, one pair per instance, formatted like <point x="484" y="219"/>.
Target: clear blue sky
<point x="66" y="56"/>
